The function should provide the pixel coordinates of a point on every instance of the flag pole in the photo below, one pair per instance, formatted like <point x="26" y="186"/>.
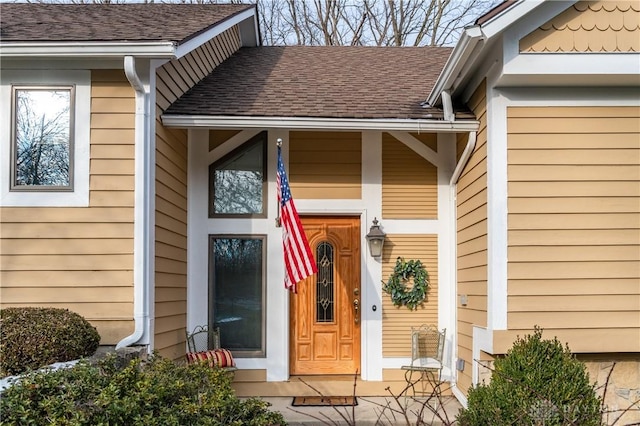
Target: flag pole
<point x="278" y="223"/>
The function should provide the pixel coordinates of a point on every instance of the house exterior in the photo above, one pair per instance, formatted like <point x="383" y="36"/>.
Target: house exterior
<point x="509" y="165"/>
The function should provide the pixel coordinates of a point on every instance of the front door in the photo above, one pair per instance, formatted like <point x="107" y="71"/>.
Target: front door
<point x="325" y="313"/>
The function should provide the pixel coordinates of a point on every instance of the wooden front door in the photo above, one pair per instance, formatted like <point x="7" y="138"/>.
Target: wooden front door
<point x="325" y="313"/>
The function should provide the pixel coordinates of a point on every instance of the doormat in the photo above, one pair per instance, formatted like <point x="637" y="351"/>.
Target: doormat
<point x="324" y="401"/>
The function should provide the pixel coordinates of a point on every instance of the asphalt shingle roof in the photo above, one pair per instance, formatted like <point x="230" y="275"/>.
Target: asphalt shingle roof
<point x="110" y="22"/>
<point x="320" y="81"/>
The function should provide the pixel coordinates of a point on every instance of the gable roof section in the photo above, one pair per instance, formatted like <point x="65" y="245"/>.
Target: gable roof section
<point x="510" y="22"/>
<point x="320" y="82"/>
<point x="110" y="22"/>
<point x="110" y="29"/>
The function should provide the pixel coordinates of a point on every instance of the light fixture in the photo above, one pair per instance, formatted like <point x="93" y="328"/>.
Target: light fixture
<point x="375" y="239"/>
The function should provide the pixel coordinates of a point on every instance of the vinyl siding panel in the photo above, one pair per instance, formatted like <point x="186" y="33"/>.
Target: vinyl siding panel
<point x="409" y="182"/>
<point x="82" y="258"/>
<point x="171" y="242"/>
<point x="589" y="26"/>
<point x="173" y="80"/>
<point x="471" y="225"/>
<point x="397" y="321"/>
<point x="218" y="137"/>
<point x="325" y="165"/>
<point x="574" y="238"/>
<point x="179" y="75"/>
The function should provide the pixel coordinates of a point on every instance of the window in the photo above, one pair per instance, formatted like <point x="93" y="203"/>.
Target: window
<point x="324" y="283"/>
<point x="237" y="182"/>
<point x="237" y="292"/>
<point x="42" y="138"/>
<point x="45" y="127"/>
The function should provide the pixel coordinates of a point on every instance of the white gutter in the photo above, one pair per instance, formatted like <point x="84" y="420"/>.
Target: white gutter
<point x="142" y="212"/>
<point x="163" y="49"/>
<point x="466" y="154"/>
<point x="407" y="125"/>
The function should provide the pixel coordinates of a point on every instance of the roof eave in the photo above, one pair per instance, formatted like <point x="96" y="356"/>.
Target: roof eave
<point x="219" y="28"/>
<point x="163" y="49"/>
<point x="467" y="51"/>
<point x="462" y="53"/>
<point x="312" y="123"/>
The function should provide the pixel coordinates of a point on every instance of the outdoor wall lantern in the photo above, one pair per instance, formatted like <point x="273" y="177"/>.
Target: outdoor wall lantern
<point x="375" y="239"/>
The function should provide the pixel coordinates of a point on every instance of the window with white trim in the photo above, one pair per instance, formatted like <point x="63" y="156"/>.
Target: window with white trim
<point x="45" y="131"/>
<point x="42" y="138"/>
<point x="237" y="292"/>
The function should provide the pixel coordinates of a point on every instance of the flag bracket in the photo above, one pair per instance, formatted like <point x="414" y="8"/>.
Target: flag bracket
<point x="278" y="221"/>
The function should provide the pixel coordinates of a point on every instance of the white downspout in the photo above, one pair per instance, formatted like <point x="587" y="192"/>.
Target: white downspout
<point x="447" y="106"/>
<point x="142" y="212"/>
<point x="466" y="154"/>
<point x="464" y="159"/>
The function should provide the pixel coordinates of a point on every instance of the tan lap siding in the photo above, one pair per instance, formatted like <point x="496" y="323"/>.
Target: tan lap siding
<point x="179" y="75"/>
<point x="589" y="27"/>
<point x="574" y="223"/>
<point x="173" y="80"/>
<point x="82" y="258"/>
<point x="409" y="182"/>
<point x="171" y="241"/>
<point x="325" y="165"/>
<point x="471" y="218"/>
<point x="397" y="321"/>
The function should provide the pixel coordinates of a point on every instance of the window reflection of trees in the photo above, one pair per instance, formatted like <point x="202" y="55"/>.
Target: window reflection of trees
<point x="238" y="191"/>
<point x="237" y="180"/>
<point x="238" y="292"/>
<point x="42" y="137"/>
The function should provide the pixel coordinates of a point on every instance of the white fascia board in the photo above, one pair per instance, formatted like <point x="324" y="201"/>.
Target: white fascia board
<point x="467" y="52"/>
<point x="602" y="66"/>
<point x="164" y="49"/>
<point x="408" y="125"/>
<point x="500" y="22"/>
<point x="199" y="40"/>
<point x="460" y="55"/>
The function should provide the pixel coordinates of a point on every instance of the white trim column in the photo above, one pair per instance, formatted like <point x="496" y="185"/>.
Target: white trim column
<point x="197" y="241"/>
<point x="371" y="337"/>
<point x="447" y="288"/>
<point x="496" y="210"/>
<point x="278" y="324"/>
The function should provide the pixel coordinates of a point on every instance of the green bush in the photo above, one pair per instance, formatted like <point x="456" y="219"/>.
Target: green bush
<point x="31" y="338"/>
<point x="538" y="382"/>
<point x="157" y="392"/>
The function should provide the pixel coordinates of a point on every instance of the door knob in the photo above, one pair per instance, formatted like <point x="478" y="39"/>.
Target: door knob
<point x="356" y="307"/>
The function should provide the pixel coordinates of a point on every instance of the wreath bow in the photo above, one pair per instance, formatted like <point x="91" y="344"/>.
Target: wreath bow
<point x="396" y="285"/>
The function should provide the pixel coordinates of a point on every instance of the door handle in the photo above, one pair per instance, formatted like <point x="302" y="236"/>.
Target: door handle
<point x="356" y="308"/>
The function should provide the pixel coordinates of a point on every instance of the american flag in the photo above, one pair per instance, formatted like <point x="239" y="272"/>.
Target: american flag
<point x="298" y="259"/>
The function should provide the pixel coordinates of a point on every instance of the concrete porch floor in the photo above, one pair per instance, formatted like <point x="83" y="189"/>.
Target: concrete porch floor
<point x="369" y="411"/>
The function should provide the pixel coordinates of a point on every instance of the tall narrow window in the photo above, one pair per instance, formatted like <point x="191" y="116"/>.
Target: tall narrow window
<point x="324" y="283"/>
<point x="237" y="293"/>
<point x="237" y="182"/>
<point x="42" y="143"/>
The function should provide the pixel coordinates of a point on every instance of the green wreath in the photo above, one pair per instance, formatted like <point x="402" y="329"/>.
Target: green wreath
<point x="396" y="285"/>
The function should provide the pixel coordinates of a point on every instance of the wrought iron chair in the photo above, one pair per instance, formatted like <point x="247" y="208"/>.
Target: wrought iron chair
<point x="204" y="341"/>
<point x="427" y="350"/>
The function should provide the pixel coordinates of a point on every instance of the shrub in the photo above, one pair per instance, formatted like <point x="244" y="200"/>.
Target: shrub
<point x="34" y="337"/>
<point x="158" y="392"/>
<point x="537" y="382"/>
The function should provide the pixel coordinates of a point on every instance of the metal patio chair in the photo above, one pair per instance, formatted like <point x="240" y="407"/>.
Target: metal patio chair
<point x="202" y="340"/>
<point x="427" y="350"/>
